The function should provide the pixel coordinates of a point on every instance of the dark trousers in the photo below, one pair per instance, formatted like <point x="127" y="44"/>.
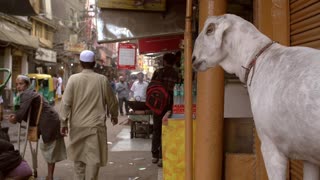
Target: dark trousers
<point x="125" y="101"/>
<point x="156" y="148"/>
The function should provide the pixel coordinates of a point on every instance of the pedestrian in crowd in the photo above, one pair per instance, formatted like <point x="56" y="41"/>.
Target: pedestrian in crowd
<point x="112" y="84"/>
<point x="123" y="94"/>
<point x="55" y="83"/>
<point x="131" y="81"/>
<point x="177" y="65"/>
<point x="139" y="88"/>
<point x="113" y="87"/>
<point x="168" y="76"/>
<point x="84" y="108"/>
<point x="1" y="108"/>
<point x="52" y="142"/>
<point x="59" y="87"/>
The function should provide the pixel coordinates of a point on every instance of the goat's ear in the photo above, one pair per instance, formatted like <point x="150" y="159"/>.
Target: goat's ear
<point x="221" y="28"/>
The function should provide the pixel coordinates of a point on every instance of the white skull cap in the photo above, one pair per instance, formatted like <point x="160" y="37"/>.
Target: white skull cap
<point x="87" y="56"/>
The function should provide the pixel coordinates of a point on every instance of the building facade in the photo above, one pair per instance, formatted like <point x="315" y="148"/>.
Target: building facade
<point x="70" y="37"/>
<point x="43" y="27"/>
<point x="17" y="48"/>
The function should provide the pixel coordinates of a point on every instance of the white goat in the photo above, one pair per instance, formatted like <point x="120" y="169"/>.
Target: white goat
<point x="283" y="85"/>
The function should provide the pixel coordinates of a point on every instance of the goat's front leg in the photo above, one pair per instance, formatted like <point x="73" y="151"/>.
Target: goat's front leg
<point x="310" y="171"/>
<point x="275" y="161"/>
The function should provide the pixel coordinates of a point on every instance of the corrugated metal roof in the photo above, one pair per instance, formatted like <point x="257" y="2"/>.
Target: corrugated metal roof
<point x="120" y="25"/>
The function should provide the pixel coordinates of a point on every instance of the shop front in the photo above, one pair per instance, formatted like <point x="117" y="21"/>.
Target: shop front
<point x="211" y="134"/>
<point x="45" y="61"/>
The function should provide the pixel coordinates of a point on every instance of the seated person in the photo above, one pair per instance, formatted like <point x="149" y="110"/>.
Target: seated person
<point x="12" y="166"/>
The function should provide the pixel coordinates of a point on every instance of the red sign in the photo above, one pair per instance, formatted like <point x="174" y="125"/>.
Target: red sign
<point x="179" y="108"/>
<point x="160" y="44"/>
<point x="127" y="56"/>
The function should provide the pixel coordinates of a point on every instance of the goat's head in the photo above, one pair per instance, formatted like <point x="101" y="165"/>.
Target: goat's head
<point x="208" y="50"/>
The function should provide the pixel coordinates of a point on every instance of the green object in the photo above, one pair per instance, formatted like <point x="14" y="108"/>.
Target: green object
<point x="43" y="84"/>
<point x="48" y="95"/>
<point x="16" y="102"/>
<point x="3" y="85"/>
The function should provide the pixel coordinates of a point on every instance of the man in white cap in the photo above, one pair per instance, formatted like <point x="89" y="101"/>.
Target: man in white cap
<point x="84" y="108"/>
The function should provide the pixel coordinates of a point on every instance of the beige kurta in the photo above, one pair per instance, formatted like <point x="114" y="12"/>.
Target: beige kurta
<point x="84" y="103"/>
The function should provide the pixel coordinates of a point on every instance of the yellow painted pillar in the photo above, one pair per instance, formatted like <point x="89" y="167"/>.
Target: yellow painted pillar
<point x="189" y="174"/>
<point x="210" y="102"/>
<point x="272" y="19"/>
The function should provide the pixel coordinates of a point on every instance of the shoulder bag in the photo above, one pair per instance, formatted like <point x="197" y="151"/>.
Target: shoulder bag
<point x="33" y="132"/>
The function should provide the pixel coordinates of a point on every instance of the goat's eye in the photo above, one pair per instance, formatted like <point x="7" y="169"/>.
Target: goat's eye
<point x="210" y="28"/>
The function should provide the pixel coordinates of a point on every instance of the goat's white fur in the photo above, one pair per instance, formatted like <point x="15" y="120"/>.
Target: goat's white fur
<point x="284" y="93"/>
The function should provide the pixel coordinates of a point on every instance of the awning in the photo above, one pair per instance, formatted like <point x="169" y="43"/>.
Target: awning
<point x="160" y="44"/>
<point x="119" y="25"/>
<point x="19" y="38"/>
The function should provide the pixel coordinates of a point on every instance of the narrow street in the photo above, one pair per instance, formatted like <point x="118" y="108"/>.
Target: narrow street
<point x="128" y="159"/>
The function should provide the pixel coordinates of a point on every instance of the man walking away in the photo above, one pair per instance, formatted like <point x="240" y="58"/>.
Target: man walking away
<point x="84" y="108"/>
<point x="168" y="76"/>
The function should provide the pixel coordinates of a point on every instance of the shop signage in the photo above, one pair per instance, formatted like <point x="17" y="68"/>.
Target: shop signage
<point x="46" y="55"/>
<point x="160" y="44"/>
<point x="150" y="5"/>
<point x="74" y="47"/>
<point x="127" y="56"/>
<point x="179" y="108"/>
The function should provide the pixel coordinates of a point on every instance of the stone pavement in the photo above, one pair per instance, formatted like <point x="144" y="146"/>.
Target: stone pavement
<point x="128" y="159"/>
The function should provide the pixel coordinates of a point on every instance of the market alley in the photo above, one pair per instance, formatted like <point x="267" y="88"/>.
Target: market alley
<point x="128" y="159"/>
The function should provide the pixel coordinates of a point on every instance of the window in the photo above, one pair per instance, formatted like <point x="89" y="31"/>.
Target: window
<point x="38" y="29"/>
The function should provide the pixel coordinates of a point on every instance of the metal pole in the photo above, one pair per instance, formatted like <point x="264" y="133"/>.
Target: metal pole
<point x="188" y="92"/>
<point x="210" y="103"/>
<point x="26" y="135"/>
